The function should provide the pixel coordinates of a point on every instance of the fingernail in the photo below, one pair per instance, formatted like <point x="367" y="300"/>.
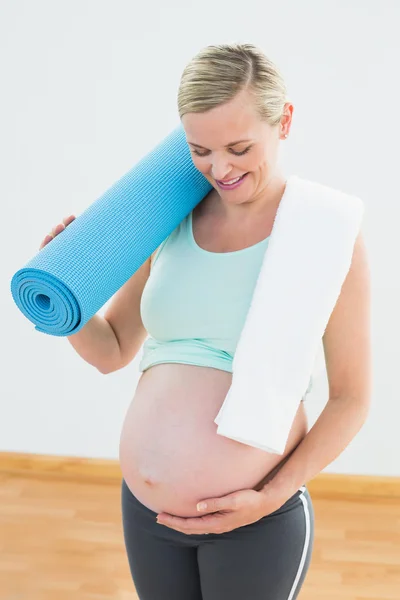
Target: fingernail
<point x="201" y="506"/>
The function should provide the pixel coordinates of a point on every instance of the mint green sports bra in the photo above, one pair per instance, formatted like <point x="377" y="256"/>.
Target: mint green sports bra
<point x="195" y="302"/>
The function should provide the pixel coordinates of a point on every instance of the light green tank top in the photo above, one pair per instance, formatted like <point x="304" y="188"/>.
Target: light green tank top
<point x="195" y="302"/>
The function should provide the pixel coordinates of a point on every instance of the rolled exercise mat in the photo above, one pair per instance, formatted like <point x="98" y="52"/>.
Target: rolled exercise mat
<point x="63" y="286"/>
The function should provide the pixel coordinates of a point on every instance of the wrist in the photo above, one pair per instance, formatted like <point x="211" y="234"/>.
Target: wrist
<point x="273" y="497"/>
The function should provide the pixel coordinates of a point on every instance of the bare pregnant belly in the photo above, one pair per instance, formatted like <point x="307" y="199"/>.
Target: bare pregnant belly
<point x="171" y="456"/>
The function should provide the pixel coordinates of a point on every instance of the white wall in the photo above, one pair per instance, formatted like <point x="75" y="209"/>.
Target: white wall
<point x="89" y="87"/>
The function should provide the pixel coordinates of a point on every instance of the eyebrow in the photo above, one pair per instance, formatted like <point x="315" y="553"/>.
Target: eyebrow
<point x="227" y="145"/>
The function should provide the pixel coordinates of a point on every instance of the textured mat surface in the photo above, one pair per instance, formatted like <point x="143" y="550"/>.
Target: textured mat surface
<point x="63" y="286"/>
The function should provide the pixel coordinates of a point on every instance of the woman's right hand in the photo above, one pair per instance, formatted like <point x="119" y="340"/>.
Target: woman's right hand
<point x="56" y="230"/>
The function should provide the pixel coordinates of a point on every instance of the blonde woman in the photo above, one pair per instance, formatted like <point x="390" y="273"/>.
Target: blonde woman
<point x="254" y="540"/>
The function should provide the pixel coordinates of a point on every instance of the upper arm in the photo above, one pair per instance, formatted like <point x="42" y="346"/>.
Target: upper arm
<point x="123" y="313"/>
<point x="347" y="344"/>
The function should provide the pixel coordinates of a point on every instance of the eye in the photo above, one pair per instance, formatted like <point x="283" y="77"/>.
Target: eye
<point x="235" y="153"/>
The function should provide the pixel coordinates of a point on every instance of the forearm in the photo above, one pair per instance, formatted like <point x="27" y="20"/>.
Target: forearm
<point x="97" y="344"/>
<point x="337" y="425"/>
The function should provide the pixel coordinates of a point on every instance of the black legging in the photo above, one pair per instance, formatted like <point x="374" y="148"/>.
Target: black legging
<point x="266" y="560"/>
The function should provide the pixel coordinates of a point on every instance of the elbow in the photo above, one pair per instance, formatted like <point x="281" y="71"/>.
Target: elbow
<point x="111" y="366"/>
<point x="107" y="369"/>
<point x="103" y="371"/>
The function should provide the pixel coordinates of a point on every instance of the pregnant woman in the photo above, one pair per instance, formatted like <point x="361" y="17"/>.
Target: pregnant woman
<point x="191" y="298"/>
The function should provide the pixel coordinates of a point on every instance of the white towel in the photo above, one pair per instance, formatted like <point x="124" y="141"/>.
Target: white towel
<point x="305" y="264"/>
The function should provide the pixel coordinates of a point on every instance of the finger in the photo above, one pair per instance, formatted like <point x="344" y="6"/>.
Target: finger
<point x="206" y="524"/>
<point x="58" y="228"/>
<point x="172" y="521"/>
<point x="216" y="504"/>
<point x="189" y="531"/>
<point x="68" y="220"/>
<point x="45" y="241"/>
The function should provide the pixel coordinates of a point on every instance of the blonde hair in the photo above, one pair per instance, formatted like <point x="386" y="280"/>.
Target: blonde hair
<point x="217" y="73"/>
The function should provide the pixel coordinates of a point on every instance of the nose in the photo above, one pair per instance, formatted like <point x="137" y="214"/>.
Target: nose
<point x="220" y="172"/>
<point x="220" y="167"/>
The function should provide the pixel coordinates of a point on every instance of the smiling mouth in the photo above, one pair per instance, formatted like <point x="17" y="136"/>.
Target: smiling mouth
<point x="235" y="179"/>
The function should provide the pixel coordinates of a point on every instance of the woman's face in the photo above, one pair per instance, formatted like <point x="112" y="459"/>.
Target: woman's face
<point x="210" y="136"/>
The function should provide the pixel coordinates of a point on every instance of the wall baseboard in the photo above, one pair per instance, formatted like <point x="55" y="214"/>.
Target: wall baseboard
<point x="97" y="470"/>
<point x="60" y="467"/>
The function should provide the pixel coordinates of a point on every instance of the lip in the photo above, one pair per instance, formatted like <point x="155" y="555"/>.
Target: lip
<point x="234" y="186"/>
<point x="230" y="178"/>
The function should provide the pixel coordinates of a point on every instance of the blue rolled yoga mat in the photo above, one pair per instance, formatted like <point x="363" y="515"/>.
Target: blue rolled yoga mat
<point x="61" y="288"/>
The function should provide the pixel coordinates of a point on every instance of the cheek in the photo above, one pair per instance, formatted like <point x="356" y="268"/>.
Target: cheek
<point x="261" y="165"/>
<point x="253" y="162"/>
<point x="202" y="165"/>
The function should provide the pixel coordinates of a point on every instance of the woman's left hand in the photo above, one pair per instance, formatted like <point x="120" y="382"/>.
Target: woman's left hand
<point x="227" y="512"/>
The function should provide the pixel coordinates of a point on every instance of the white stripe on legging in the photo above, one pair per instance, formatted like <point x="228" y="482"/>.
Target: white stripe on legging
<point x="306" y="544"/>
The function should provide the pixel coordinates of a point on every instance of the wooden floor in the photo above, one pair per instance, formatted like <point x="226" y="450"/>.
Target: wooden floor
<point x="62" y="540"/>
